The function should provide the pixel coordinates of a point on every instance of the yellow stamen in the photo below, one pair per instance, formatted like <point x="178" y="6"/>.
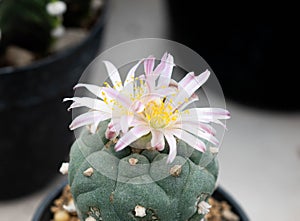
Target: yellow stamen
<point x="159" y="114"/>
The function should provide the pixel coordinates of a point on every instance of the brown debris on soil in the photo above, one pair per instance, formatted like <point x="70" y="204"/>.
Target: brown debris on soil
<point x="58" y="210"/>
<point x="220" y="210"/>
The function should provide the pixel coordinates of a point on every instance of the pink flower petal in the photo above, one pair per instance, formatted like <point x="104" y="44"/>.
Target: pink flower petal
<point x="188" y="85"/>
<point x="191" y="100"/>
<point x="195" y="131"/>
<point x="114" y="75"/>
<point x="112" y="130"/>
<point x="149" y="65"/>
<point x="116" y="95"/>
<point x="124" y="123"/>
<point x="193" y="82"/>
<point x="94" y="89"/>
<point x="131" y="136"/>
<point x="190" y="139"/>
<point x="138" y="107"/>
<point x="166" y="73"/>
<point x="161" y="66"/>
<point x="88" y="118"/>
<point x="157" y="140"/>
<point x="91" y="103"/>
<point x="172" y="145"/>
<point x="210" y="114"/>
<point x="94" y="126"/>
<point x="201" y="126"/>
<point x="165" y="91"/>
<point x="131" y="73"/>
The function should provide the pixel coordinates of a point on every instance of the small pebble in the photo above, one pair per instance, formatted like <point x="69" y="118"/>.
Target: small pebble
<point x="64" y="168"/>
<point x="61" y="216"/>
<point x="70" y="207"/>
<point x="228" y="215"/>
<point x="176" y="170"/>
<point x="88" y="172"/>
<point x="133" y="161"/>
<point x="140" y="211"/>
<point x="90" y="218"/>
<point x="214" y="150"/>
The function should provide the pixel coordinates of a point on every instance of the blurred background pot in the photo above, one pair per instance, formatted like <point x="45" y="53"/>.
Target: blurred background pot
<point x="43" y="212"/>
<point x="249" y="47"/>
<point x="34" y="135"/>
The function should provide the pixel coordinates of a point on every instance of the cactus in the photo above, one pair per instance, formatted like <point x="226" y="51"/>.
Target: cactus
<point x="116" y="187"/>
<point x="144" y="155"/>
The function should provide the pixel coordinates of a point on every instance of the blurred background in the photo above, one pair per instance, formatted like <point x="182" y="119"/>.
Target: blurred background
<point x="260" y="154"/>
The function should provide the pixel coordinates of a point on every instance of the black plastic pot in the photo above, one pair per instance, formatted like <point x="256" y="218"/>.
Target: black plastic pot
<point x="43" y="212"/>
<point x="34" y="134"/>
<point x="251" y="49"/>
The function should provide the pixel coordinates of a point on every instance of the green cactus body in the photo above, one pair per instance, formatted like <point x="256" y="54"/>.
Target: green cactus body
<point x="168" y="192"/>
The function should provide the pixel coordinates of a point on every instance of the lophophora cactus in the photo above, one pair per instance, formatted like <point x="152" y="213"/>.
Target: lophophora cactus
<point x="148" y="157"/>
<point x="121" y="183"/>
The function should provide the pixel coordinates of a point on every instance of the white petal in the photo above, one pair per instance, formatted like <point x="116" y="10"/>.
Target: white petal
<point x="189" y="139"/>
<point x="88" y="119"/>
<point x="91" y="103"/>
<point x="113" y="130"/>
<point x="206" y="115"/>
<point x="192" y="82"/>
<point x="165" y="91"/>
<point x="149" y="65"/>
<point x="157" y="140"/>
<point x="131" y="74"/>
<point x="131" y="136"/>
<point x="93" y="127"/>
<point x="172" y="145"/>
<point x="188" y="85"/>
<point x="116" y="95"/>
<point x="201" y="126"/>
<point x="165" y="75"/>
<point x="194" y="130"/>
<point x="94" y="89"/>
<point x="124" y="123"/>
<point x="114" y="75"/>
<point x="210" y="113"/>
<point x="192" y="99"/>
<point x="138" y="107"/>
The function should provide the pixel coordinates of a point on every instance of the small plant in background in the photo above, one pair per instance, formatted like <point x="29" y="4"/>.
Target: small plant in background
<point x="146" y="153"/>
<point x="32" y="28"/>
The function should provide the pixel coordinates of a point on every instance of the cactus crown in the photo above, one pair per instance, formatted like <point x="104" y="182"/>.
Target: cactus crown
<point x="145" y="154"/>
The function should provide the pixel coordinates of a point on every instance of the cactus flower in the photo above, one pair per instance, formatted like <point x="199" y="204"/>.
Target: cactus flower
<point x="152" y="103"/>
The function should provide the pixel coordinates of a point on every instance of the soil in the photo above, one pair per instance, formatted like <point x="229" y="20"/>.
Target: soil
<point x="220" y="210"/>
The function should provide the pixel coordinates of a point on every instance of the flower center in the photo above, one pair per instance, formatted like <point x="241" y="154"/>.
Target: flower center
<point x="159" y="114"/>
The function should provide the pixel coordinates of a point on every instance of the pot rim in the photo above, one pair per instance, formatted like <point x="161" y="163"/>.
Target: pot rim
<point x="52" y="58"/>
<point x="48" y="200"/>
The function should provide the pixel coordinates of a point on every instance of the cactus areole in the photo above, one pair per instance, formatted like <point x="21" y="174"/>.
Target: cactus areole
<point x="146" y="153"/>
